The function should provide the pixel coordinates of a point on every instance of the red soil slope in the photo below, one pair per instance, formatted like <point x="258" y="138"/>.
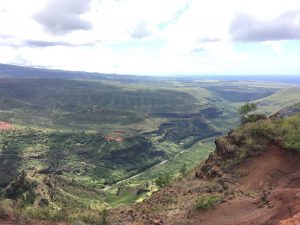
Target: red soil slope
<point x="275" y="174"/>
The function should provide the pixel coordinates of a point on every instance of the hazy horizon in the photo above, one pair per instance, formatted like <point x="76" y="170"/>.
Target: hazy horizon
<point x="4" y="68"/>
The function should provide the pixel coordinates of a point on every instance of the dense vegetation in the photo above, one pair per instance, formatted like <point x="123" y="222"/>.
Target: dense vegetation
<point x="284" y="131"/>
<point x="251" y="137"/>
<point x="206" y="202"/>
<point x="85" y="157"/>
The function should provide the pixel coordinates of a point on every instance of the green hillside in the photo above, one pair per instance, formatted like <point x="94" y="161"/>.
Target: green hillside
<point x="283" y="99"/>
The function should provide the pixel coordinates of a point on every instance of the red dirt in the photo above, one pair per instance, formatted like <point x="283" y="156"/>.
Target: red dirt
<point x="274" y="168"/>
<point x="117" y="139"/>
<point x="276" y="173"/>
<point x="295" y="220"/>
<point x="5" y="125"/>
<point x="11" y="221"/>
<point x="239" y="211"/>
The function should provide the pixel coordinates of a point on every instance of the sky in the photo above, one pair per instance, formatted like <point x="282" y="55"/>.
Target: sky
<point x="157" y="37"/>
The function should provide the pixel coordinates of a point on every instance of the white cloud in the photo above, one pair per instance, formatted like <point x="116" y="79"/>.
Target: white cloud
<point x="60" y="17"/>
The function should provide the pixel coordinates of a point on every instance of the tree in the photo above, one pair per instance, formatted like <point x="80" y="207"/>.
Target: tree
<point x="245" y="112"/>
<point x="247" y="108"/>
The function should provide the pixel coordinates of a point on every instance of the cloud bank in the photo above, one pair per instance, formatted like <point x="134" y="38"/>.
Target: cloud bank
<point x="245" y="28"/>
<point x="64" y="16"/>
<point x="39" y="43"/>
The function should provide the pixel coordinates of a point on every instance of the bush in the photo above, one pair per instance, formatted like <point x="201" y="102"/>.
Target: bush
<point x="245" y="111"/>
<point x="104" y="217"/>
<point x="291" y="132"/>
<point x="163" y="180"/>
<point x="183" y="169"/>
<point x="206" y="202"/>
<point x="292" y="141"/>
<point x="285" y="131"/>
<point x="255" y="117"/>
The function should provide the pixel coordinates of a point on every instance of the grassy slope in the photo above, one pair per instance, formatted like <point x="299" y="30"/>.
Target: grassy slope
<point x="280" y="100"/>
<point x="66" y="104"/>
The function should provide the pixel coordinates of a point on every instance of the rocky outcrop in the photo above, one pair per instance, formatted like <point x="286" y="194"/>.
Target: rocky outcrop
<point x="228" y="148"/>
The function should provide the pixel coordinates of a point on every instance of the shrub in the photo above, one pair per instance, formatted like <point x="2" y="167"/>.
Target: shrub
<point x="255" y="117"/>
<point x="292" y="141"/>
<point x="291" y="132"/>
<point x="183" y="169"/>
<point x="163" y="180"/>
<point x="245" y="111"/>
<point x="104" y="217"/>
<point x="206" y="202"/>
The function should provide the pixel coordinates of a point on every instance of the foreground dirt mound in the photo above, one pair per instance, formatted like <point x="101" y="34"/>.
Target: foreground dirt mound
<point x="295" y="220"/>
<point x="263" y="189"/>
<point x="273" y="178"/>
<point x="272" y="168"/>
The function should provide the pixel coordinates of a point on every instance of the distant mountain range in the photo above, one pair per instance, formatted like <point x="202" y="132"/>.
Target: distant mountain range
<point x="7" y="70"/>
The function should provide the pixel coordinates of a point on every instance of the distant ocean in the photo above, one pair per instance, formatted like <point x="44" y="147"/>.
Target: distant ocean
<point x="295" y="79"/>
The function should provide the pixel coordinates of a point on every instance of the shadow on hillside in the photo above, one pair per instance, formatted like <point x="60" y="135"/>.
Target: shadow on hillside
<point x="10" y="165"/>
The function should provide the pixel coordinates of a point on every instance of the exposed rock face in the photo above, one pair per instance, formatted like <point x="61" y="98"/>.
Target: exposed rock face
<point x="227" y="146"/>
